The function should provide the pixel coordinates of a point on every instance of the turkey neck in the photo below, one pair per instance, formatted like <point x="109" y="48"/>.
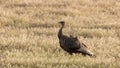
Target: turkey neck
<point x="60" y="34"/>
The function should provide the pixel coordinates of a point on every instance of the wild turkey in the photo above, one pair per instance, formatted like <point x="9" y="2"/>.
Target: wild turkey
<point x="72" y="44"/>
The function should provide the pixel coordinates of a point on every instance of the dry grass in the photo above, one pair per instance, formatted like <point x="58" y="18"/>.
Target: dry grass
<point x="28" y="33"/>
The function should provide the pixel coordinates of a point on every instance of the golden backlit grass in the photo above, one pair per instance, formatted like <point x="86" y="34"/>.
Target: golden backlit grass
<point x="28" y="33"/>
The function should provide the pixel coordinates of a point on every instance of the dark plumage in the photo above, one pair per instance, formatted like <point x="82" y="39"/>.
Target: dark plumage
<point x="72" y="44"/>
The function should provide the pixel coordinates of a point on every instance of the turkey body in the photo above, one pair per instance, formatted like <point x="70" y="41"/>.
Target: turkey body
<point x="72" y="44"/>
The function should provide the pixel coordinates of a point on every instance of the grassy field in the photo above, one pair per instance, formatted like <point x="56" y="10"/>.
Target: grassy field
<point x="28" y="33"/>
